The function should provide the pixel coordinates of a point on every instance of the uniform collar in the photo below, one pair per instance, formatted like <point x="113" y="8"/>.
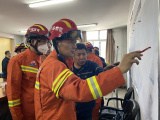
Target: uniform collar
<point x="68" y="61"/>
<point x="7" y="58"/>
<point x="29" y="52"/>
<point x="83" y="66"/>
<point x="53" y="54"/>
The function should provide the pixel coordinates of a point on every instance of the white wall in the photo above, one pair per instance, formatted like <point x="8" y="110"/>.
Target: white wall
<point x="6" y="35"/>
<point x="18" y="39"/>
<point x="120" y="37"/>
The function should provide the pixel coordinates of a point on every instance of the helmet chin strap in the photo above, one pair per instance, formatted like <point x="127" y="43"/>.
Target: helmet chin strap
<point x="59" y="56"/>
<point x="35" y="47"/>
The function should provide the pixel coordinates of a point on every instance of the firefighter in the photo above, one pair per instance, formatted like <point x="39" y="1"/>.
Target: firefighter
<point x="49" y="44"/>
<point x="57" y="88"/>
<point x="20" y="48"/>
<point x="90" y="54"/>
<point x="22" y="70"/>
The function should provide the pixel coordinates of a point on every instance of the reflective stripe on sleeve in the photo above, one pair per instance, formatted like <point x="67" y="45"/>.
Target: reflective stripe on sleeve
<point x="94" y="87"/>
<point x="63" y="79"/>
<point x="29" y="69"/>
<point x="37" y="85"/>
<point x="59" y="76"/>
<point x="14" y="103"/>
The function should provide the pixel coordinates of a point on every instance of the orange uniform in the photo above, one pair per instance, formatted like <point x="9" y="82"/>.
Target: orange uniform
<point x="21" y="78"/>
<point x="95" y="59"/>
<point x="42" y="58"/>
<point x="69" y="62"/>
<point x="57" y="89"/>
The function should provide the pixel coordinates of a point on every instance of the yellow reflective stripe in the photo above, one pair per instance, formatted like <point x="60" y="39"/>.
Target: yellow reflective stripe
<point x="58" y="78"/>
<point x="60" y="81"/>
<point x="67" y="23"/>
<point x="91" y="88"/>
<point x="40" y="27"/>
<point x="37" y="82"/>
<point x="14" y="103"/>
<point x="37" y="85"/>
<point x="97" y="86"/>
<point x="62" y="84"/>
<point x="94" y="87"/>
<point x="29" y="69"/>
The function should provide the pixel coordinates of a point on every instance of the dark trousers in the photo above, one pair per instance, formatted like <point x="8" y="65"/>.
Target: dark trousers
<point x="85" y="115"/>
<point x="4" y="111"/>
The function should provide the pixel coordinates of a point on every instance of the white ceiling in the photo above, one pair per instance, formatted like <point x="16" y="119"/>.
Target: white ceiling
<point x="15" y="15"/>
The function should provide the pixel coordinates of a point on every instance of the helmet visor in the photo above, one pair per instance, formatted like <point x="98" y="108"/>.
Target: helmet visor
<point x="73" y="34"/>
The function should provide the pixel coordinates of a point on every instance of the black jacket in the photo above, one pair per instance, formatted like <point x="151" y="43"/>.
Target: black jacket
<point x="103" y="62"/>
<point x="4" y="67"/>
<point x="89" y="69"/>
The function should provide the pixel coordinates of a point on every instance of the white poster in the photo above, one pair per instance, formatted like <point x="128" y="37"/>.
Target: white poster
<point x="143" y="33"/>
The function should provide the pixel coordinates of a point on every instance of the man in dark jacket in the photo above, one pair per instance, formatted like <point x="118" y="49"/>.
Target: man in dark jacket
<point x="4" y="64"/>
<point x="5" y="107"/>
<point x="84" y="69"/>
<point x="96" y="52"/>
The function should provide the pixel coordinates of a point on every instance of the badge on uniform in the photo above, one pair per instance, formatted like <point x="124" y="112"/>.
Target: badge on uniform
<point x="33" y="63"/>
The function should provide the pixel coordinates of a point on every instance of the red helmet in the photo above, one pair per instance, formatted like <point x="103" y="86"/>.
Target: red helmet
<point x="64" y="29"/>
<point x="36" y="31"/>
<point x="88" y="45"/>
<point x="20" y="46"/>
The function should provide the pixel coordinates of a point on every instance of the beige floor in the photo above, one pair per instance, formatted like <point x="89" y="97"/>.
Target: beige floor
<point x="121" y="93"/>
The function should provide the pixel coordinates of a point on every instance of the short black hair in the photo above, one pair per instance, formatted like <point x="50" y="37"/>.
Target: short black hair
<point x="96" y="47"/>
<point x="96" y="52"/>
<point x="6" y="52"/>
<point x="81" y="46"/>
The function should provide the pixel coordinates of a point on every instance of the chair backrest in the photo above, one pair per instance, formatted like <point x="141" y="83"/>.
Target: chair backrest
<point x="127" y="96"/>
<point x="131" y="110"/>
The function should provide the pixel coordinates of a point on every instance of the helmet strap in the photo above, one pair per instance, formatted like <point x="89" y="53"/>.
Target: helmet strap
<point x="59" y="56"/>
<point x="35" y="47"/>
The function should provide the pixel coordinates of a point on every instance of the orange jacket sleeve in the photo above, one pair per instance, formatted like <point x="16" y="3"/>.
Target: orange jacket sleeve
<point x="14" y="77"/>
<point x="70" y="87"/>
<point x="99" y="62"/>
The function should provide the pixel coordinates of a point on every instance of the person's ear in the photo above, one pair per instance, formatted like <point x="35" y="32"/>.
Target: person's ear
<point x="59" y="42"/>
<point x="33" y="42"/>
